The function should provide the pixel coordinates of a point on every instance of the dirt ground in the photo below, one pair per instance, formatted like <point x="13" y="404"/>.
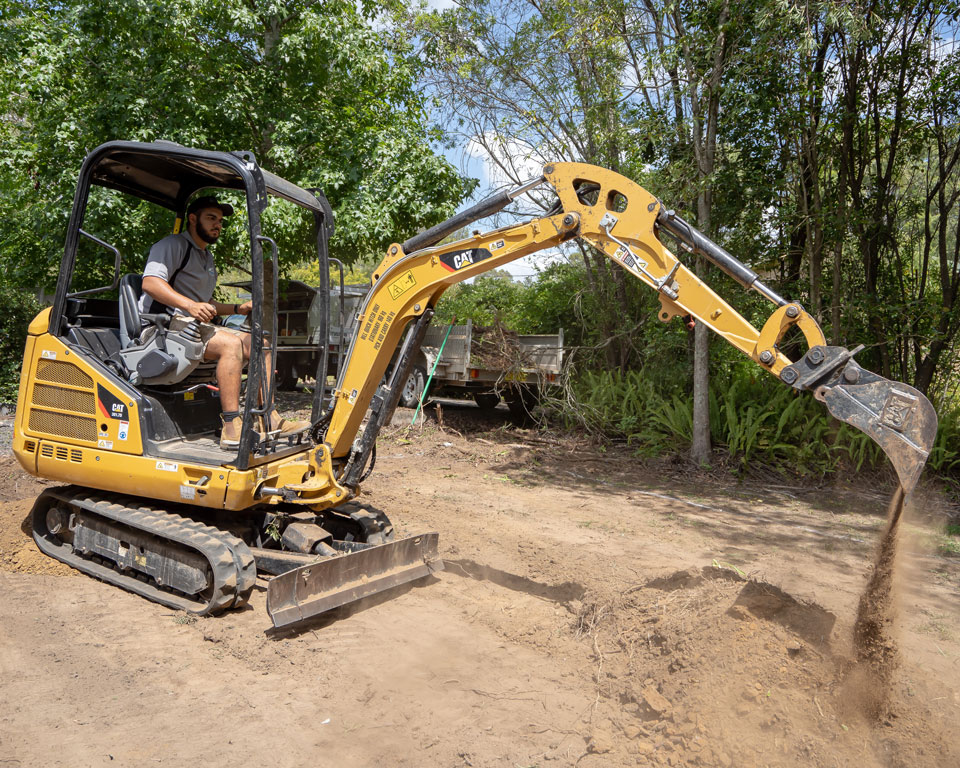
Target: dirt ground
<point x="594" y="611"/>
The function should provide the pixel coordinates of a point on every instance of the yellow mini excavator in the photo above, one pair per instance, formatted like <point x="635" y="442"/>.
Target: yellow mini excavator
<point x="119" y="406"/>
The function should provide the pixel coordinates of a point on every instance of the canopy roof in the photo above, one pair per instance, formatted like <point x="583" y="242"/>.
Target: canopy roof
<point x="168" y="174"/>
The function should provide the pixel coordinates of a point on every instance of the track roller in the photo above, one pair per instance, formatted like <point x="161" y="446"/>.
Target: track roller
<point x="159" y="555"/>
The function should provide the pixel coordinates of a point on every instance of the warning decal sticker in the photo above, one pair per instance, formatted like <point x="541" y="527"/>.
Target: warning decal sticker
<point x="402" y="284"/>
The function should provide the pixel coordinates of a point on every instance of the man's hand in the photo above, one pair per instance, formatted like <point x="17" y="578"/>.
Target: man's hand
<point x="246" y="308"/>
<point x="201" y="310"/>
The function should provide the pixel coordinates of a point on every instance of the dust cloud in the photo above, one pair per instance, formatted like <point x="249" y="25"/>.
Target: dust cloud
<point x="876" y="649"/>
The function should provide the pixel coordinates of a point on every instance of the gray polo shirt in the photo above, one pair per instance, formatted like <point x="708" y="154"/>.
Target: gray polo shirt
<point x="197" y="275"/>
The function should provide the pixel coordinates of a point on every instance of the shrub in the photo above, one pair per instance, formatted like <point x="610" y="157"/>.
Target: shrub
<point x="19" y="308"/>
<point x="754" y="418"/>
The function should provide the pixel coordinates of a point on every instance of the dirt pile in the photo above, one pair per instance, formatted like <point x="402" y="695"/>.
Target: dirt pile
<point x="711" y="668"/>
<point x="18" y="553"/>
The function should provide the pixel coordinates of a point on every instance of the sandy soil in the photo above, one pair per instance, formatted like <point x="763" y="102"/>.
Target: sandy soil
<point x="595" y="611"/>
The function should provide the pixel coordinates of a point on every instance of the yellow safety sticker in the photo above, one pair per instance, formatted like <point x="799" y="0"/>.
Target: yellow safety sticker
<point x="402" y="284"/>
<point x="188" y="395"/>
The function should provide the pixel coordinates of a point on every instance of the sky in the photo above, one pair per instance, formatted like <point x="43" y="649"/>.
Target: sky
<point x="471" y="161"/>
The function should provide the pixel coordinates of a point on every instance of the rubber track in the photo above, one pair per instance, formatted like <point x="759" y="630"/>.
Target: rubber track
<point x="231" y="562"/>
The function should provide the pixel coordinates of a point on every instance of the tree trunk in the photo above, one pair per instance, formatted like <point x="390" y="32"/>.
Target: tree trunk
<point x="700" y="447"/>
<point x="706" y="113"/>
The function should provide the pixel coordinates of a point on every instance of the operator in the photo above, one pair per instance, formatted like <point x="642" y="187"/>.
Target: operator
<point x="180" y="278"/>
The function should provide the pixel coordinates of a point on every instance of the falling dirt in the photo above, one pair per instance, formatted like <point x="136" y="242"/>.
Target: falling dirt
<point x="873" y="630"/>
<point x="594" y="612"/>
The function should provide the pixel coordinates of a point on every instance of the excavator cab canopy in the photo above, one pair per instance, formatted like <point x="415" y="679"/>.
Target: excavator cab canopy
<point x="169" y="175"/>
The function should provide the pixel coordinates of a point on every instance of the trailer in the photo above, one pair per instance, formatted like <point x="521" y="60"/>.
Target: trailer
<point x="486" y="363"/>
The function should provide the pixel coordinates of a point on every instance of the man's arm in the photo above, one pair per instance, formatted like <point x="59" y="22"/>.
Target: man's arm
<point x="233" y="309"/>
<point x="161" y="290"/>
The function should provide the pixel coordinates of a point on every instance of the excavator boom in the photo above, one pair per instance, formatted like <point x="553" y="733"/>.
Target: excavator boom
<point x="624" y="221"/>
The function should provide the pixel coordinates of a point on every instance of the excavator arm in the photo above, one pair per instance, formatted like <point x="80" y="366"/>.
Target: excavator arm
<point x="624" y="221"/>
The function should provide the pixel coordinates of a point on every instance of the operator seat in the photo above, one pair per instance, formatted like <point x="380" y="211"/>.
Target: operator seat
<point x="151" y="353"/>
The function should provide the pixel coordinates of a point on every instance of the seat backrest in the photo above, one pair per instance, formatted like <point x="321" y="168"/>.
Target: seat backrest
<point x="131" y="287"/>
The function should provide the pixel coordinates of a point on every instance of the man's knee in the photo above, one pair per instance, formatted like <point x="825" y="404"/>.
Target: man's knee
<point x="224" y="345"/>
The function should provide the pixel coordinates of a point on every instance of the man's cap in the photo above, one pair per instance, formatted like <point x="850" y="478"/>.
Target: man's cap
<point x="209" y="201"/>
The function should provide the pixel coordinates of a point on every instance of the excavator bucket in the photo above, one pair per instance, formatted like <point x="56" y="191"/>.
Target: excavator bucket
<point x="334" y="581"/>
<point x="897" y="417"/>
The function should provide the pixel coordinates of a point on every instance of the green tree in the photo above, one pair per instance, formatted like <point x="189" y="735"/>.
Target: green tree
<point x="324" y="94"/>
<point x="492" y="297"/>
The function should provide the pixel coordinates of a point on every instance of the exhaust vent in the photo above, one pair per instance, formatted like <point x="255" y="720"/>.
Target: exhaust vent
<point x="29" y="446"/>
<point x="59" y="372"/>
<point x="63" y="425"/>
<point x="60" y="453"/>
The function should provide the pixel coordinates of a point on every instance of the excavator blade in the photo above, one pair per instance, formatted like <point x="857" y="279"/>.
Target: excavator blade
<point x="899" y="418"/>
<point x="334" y="581"/>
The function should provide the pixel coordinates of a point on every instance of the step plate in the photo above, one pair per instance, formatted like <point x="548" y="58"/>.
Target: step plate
<point x="335" y="581"/>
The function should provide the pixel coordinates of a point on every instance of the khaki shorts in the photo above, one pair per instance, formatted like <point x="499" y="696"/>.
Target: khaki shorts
<point x="207" y="330"/>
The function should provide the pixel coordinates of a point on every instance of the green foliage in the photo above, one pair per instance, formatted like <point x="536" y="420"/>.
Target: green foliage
<point x="492" y="296"/>
<point x="754" y="419"/>
<point x="945" y="454"/>
<point x="324" y="94"/>
<point x="948" y="541"/>
<point x="309" y="273"/>
<point x="834" y="176"/>
<point x="19" y="308"/>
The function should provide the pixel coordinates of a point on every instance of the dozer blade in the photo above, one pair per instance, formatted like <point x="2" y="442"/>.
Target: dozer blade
<point x="335" y="581"/>
<point x="899" y="418"/>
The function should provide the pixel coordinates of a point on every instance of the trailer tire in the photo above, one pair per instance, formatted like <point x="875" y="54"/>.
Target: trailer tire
<point x="486" y="401"/>
<point x="413" y="387"/>
<point x="521" y="401"/>
<point x="286" y="374"/>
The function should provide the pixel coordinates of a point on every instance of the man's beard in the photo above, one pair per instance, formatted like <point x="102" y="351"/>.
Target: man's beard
<point x="206" y="235"/>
